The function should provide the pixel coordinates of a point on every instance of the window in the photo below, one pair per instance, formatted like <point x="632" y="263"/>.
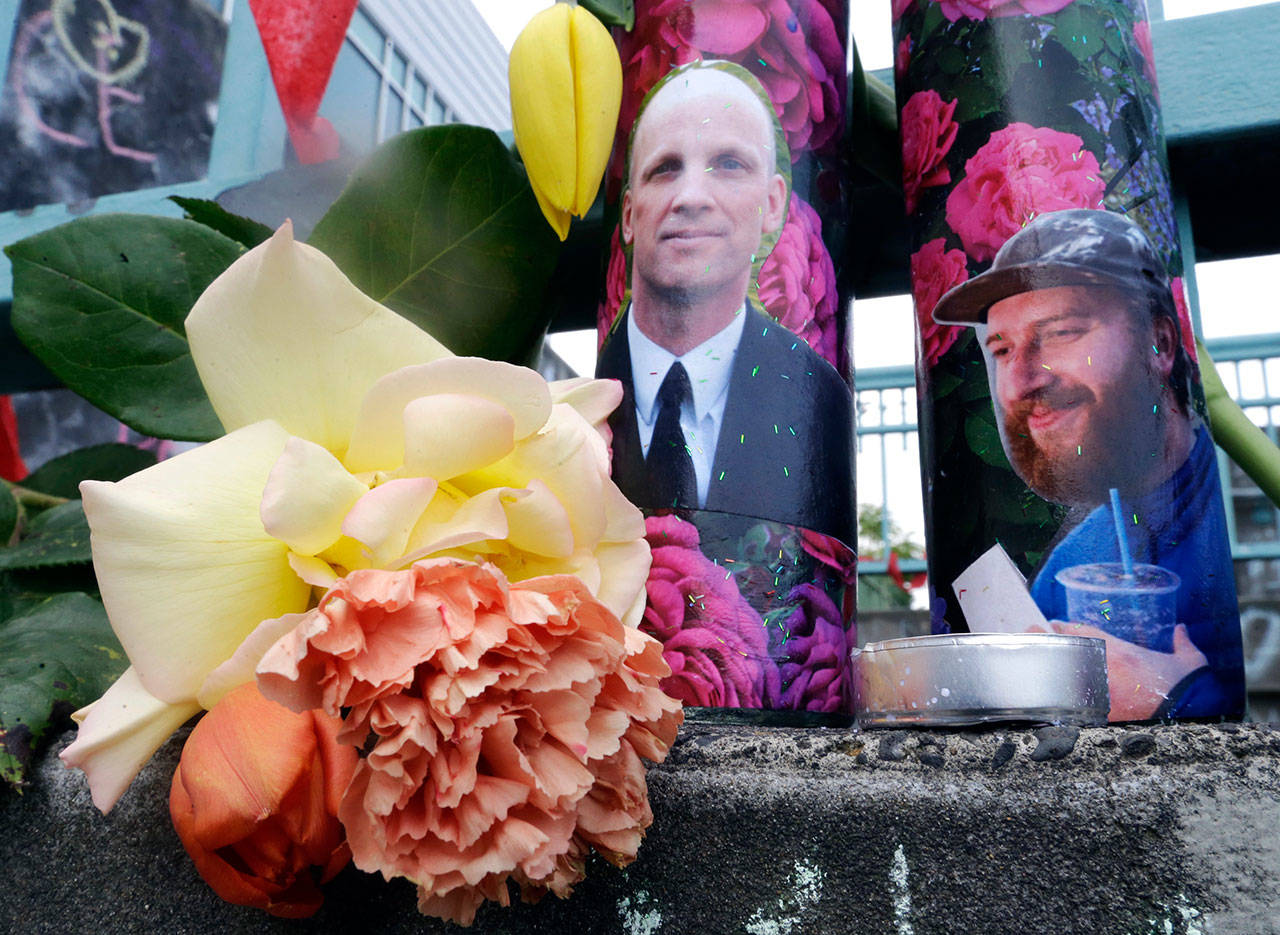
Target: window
<point x="399" y="69"/>
<point x="368" y="36"/>
<point x="373" y="77"/>
<point x="351" y="100"/>
<point x="391" y="119"/>
<point x="436" y="111"/>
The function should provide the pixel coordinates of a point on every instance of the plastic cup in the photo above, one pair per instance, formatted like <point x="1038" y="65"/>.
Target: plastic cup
<point x="1140" y="608"/>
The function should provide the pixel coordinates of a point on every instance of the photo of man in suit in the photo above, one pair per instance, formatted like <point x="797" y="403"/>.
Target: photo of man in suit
<point x="724" y="409"/>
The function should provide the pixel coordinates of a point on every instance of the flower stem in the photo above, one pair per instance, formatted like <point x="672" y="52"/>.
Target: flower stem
<point x="1245" y="443"/>
<point x="33" y="498"/>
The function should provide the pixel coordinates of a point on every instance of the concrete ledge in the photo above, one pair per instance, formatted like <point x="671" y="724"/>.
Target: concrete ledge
<point x="1169" y="829"/>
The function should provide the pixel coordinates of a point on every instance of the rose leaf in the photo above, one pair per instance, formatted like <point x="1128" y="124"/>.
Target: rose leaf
<point x="55" y="657"/>
<point x="61" y="477"/>
<point x="245" y="231"/>
<point x="101" y="302"/>
<point x="58" y="536"/>
<point x="8" y="513"/>
<point x="613" y="12"/>
<point x="440" y="224"/>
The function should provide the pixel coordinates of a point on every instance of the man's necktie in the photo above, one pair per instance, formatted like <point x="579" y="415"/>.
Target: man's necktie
<point x="669" y="463"/>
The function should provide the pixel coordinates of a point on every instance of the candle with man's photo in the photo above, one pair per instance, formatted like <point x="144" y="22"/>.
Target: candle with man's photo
<point x="724" y="320"/>
<point x="1061" y="412"/>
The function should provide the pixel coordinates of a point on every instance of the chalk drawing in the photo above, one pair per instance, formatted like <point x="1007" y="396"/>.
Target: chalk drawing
<point x="110" y="32"/>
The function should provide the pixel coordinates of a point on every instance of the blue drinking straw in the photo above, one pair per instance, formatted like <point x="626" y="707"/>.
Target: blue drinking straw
<point x="1125" y="558"/>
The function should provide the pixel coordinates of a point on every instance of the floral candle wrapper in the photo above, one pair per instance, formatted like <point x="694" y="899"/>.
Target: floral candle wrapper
<point x="723" y="314"/>
<point x="1061" y="413"/>
<point x="751" y="614"/>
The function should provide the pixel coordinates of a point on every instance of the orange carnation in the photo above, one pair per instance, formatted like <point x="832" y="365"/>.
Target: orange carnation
<point x="505" y="724"/>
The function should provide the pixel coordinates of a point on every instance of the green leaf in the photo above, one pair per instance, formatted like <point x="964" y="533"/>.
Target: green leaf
<point x="934" y="20"/>
<point x="1081" y="30"/>
<point x="943" y="383"/>
<point x="36" y="584"/>
<point x="975" y="96"/>
<point x="976" y="388"/>
<point x="984" y="440"/>
<point x="8" y="513"/>
<point x="102" y="300"/>
<point x="613" y="12"/>
<point x="59" y="536"/>
<point x="952" y="60"/>
<point x="55" y="657"/>
<point x="441" y="225"/>
<point x="242" y="230"/>
<point x="61" y="477"/>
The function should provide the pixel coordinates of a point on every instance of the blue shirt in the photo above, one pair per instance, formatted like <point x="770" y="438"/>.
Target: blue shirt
<point x="1182" y="527"/>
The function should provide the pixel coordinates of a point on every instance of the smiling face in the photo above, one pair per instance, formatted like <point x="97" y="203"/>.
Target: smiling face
<point x="703" y="190"/>
<point x="1079" y="376"/>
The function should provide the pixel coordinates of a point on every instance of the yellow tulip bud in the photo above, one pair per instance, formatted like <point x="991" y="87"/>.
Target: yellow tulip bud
<point x="566" y="88"/>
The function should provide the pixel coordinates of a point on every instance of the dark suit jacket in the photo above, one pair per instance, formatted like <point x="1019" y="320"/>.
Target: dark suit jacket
<point x="785" y="451"/>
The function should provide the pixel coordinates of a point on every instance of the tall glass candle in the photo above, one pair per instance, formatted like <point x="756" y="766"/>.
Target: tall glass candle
<point x="1056" y="366"/>
<point x="726" y="324"/>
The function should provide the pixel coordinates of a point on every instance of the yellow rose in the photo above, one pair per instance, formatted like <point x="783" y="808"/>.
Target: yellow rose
<point x="566" y="87"/>
<point x="355" y="440"/>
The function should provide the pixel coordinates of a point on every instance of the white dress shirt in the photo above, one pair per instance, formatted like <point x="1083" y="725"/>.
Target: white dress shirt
<point x="709" y="366"/>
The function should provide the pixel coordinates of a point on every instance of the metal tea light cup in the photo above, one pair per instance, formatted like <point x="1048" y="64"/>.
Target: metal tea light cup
<point x="953" y="680"/>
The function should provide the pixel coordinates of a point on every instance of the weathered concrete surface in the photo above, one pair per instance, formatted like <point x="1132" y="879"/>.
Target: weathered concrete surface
<point x="781" y="832"/>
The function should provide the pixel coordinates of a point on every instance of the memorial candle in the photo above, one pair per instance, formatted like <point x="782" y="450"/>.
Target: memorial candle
<point x="1055" y="360"/>
<point x="724" y="319"/>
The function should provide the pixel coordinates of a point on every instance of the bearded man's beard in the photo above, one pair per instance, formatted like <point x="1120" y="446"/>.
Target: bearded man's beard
<point x="1115" y="450"/>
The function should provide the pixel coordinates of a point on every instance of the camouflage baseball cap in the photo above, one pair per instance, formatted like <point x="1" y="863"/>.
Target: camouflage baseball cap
<point x="1076" y="247"/>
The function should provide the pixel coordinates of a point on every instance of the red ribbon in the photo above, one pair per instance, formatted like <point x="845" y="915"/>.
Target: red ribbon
<point x="302" y="39"/>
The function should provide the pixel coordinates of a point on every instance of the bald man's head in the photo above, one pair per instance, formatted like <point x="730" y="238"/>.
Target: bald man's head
<point x="703" y="191"/>
<point x="721" y="86"/>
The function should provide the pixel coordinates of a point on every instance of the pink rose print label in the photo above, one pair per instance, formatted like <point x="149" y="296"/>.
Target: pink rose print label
<point x="751" y="615"/>
<point x="1020" y="172"/>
